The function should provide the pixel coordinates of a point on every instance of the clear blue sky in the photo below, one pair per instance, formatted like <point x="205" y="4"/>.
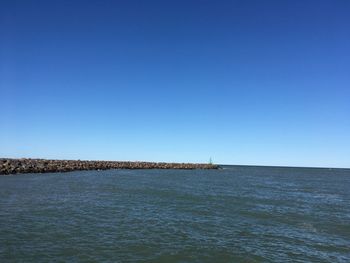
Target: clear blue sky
<point x="243" y="82"/>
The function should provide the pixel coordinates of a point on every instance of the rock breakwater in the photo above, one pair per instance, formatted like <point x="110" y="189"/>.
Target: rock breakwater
<point x="15" y="166"/>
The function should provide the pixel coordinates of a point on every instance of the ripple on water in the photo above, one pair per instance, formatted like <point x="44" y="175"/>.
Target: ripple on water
<point x="239" y="214"/>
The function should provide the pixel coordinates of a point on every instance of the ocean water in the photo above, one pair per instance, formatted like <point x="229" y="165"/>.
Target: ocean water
<point x="236" y="214"/>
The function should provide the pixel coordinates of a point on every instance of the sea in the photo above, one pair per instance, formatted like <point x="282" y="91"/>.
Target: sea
<point x="234" y="214"/>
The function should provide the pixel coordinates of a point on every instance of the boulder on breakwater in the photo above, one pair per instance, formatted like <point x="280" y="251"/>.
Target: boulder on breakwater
<point x="24" y="165"/>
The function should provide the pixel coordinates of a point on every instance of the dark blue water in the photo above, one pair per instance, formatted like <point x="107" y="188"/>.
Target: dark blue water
<point x="238" y="214"/>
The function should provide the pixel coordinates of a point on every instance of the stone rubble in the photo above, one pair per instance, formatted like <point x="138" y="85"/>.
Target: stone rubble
<point x="24" y="165"/>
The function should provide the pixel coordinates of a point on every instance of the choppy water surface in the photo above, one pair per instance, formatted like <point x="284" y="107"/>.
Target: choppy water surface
<point x="238" y="214"/>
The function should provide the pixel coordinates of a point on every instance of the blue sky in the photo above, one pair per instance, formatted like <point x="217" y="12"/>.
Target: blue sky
<point x="243" y="82"/>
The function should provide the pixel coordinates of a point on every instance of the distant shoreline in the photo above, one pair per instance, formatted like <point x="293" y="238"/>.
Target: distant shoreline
<point x="26" y="165"/>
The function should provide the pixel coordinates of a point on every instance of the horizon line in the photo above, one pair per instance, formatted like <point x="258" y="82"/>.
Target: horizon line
<point x="220" y="164"/>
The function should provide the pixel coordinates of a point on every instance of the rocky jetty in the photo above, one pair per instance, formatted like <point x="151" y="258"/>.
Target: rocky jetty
<point x="15" y="166"/>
